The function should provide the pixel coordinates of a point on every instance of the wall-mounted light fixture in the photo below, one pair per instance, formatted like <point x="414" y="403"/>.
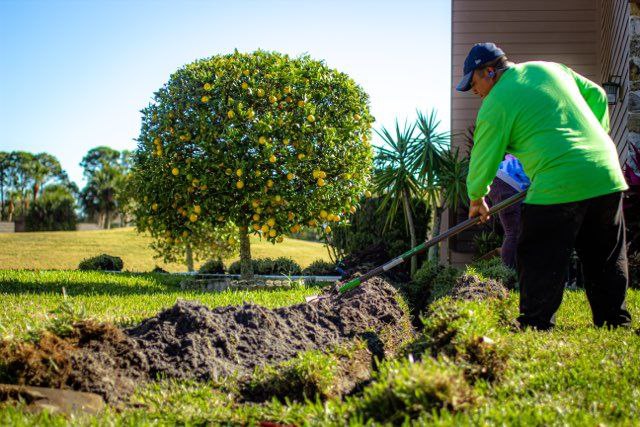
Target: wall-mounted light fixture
<point x="612" y="87"/>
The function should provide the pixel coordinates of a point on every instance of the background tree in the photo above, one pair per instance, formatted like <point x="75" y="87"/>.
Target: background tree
<point x="43" y="168"/>
<point x="4" y="180"/>
<point x="104" y="169"/>
<point x="258" y="141"/>
<point x="441" y="170"/>
<point x="55" y="210"/>
<point x="22" y="179"/>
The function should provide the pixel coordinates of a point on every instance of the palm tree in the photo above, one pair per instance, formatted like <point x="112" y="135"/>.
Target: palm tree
<point x="452" y="181"/>
<point x="395" y="179"/>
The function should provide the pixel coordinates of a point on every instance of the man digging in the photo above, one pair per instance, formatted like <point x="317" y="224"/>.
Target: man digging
<point x="556" y="122"/>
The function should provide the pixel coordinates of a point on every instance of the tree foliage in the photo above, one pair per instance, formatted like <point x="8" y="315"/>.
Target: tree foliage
<point x="105" y="169"/>
<point x="258" y="141"/>
<point x="54" y="211"/>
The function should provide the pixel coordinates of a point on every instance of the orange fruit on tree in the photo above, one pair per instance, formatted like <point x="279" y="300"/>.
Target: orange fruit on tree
<point x="175" y="171"/>
<point x="272" y="233"/>
<point x="311" y="118"/>
<point x="239" y="185"/>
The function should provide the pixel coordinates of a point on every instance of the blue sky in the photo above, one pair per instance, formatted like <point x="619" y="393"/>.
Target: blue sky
<point x="75" y="74"/>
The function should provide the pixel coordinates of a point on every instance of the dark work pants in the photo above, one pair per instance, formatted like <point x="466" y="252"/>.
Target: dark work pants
<point x="509" y="218"/>
<point x="548" y="233"/>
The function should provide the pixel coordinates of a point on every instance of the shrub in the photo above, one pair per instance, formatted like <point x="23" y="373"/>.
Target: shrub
<point x="102" y="262"/>
<point x="320" y="267"/>
<point x="157" y="269"/>
<point x="213" y="266"/>
<point x="366" y="225"/>
<point x="54" y="211"/>
<point x="485" y="242"/>
<point x="265" y="266"/>
<point x="495" y="269"/>
<point x="286" y="266"/>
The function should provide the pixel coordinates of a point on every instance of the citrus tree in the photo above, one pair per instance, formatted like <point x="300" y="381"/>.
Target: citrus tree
<point x="259" y="141"/>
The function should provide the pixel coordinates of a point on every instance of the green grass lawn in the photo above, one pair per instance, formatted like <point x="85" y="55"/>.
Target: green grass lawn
<point x="574" y="375"/>
<point x="65" y="249"/>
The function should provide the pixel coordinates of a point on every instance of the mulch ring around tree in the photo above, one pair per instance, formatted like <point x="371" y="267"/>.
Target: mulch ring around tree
<point x="192" y="341"/>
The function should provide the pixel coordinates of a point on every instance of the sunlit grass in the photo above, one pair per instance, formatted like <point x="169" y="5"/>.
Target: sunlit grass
<point x="65" y="249"/>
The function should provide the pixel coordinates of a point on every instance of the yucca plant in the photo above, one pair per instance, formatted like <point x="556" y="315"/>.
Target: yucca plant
<point x="395" y="178"/>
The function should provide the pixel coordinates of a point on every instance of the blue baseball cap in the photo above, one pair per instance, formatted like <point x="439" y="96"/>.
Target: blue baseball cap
<point x="479" y="54"/>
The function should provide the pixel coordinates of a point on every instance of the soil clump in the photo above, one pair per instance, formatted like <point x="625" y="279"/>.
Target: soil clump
<point x="470" y="288"/>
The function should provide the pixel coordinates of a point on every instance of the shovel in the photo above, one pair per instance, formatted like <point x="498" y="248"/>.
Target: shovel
<point x="427" y="244"/>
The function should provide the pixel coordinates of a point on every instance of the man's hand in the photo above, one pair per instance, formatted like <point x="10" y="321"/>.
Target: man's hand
<point x="479" y="208"/>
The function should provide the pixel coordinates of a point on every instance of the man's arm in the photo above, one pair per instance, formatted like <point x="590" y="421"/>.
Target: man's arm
<point x="491" y="138"/>
<point x="595" y="96"/>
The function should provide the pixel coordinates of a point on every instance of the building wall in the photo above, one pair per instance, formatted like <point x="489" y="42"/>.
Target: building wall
<point x="613" y="60"/>
<point x="562" y="31"/>
<point x="634" y="80"/>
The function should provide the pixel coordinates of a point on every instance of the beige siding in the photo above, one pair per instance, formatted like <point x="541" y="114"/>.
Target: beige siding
<point x="561" y="31"/>
<point x="613" y="59"/>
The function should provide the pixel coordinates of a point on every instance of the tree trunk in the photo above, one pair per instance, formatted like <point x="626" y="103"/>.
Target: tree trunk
<point x="434" y="251"/>
<point x="412" y="230"/>
<point x="246" y="269"/>
<point x="189" y="257"/>
<point x="1" y="198"/>
<point x="36" y="188"/>
<point x="11" y="209"/>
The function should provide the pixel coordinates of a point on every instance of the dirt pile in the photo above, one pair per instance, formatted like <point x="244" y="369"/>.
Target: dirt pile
<point x="470" y="288"/>
<point x="191" y="341"/>
<point x="97" y="358"/>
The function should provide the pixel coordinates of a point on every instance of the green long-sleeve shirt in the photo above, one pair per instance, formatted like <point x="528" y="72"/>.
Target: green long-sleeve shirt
<point x="556" y="122"/>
